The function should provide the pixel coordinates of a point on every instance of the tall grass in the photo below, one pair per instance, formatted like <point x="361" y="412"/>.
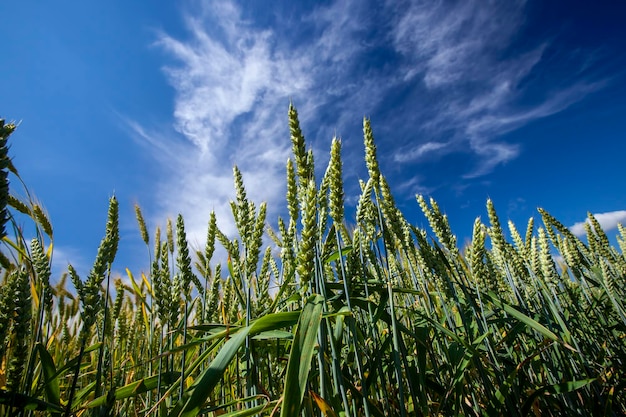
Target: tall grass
<point x="360" y="314"/>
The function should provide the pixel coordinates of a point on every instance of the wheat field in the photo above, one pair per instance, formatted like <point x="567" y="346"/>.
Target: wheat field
<point x="322" y="314"/>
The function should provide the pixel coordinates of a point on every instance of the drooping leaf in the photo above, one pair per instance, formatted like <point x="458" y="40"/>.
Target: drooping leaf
<point x="323" y="405"/>
<point x="196" y="395"/>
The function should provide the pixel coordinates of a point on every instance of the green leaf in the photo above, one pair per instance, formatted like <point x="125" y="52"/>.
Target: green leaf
<point x="72" y="362"/>
<point x="26" y="402"/>
<point x="333" y="256"/>
<point x="51" y="381"/>
<point x="523" y="318"/>
<point x="238" y="403"/>
<point x="138" y="387"/>
<point x="274" y="334"/>
<point x="299" y="364"/>
<point x="82" y="395"/>
<point x="137" y="290"/>
<point x="561" y="388"/>
<point x="500" y="396"/>
<point x="196" y="395"/>
<point x="251" y="411"/>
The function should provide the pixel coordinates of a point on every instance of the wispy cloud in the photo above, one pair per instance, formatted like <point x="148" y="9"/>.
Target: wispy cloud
<point x="462" y="53"/>
<point x="233" y="82"/>
<point x="233" y="79"/>
<point x="231" y="87"/>
<point x="608" y="221"/>
<point x="451" y="42"/>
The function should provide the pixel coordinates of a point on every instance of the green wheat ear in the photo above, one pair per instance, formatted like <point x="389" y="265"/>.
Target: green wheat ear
<point x="292" y="191"/>
<point x="621" y="239"/>
<point x="89" y="293"/>
<point x="517" y="238"/>
<point x="548" y="268"/>
<point x="496" y="234"/>
<point x="370" y="151"/>
<point x="241" y="207"/>
<point x="209" y="248"/>
<point x="336" y="182"/>
<point x="365" y="200"/>
<point x="142" y="225"/>
<point x="43" y="219"/>
<point x="20" y="337"/>
<point x="169" y="234"/>
<point x="306" y="250"/>
<point x="7" y="305"/>
<point x="304" y="170"/>
<point x="41" y="264"/>
<point x="478" y="253"/>
<point x="119" y="298"/>
<point x="263" y="297"/>
<point x="108" y="246"/>
<point x="5" y="162"/>
<point x="256" y="239"/>
<point x="213" y="299"/>
<point x="183" y="260"/>
<point x="439" y="223"/>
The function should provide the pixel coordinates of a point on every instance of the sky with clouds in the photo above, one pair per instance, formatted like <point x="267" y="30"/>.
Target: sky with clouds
<point x="523" y="102"/>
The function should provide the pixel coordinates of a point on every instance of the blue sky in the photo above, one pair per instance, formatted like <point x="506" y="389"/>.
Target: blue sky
<point x="523" y="102"/>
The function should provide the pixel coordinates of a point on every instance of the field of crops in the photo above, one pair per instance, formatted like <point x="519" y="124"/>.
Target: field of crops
<point x="322" y="314"/>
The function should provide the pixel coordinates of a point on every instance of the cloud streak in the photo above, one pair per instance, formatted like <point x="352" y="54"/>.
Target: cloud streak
<point x="420" y="151"/>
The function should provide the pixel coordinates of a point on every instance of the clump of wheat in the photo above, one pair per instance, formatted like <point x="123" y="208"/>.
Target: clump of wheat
<point x="379" y="317"/>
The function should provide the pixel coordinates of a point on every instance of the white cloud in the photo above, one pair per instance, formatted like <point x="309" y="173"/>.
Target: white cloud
<point x="608" y="221"/>
<point x="220" y="81"/>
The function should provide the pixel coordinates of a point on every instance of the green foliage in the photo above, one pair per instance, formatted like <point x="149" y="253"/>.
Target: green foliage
<point x="379" y="318"/>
